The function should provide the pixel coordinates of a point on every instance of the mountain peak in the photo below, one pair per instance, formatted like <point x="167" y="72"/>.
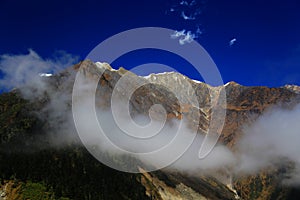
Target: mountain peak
<point x="232" y="83"/>
<point x="104" y="65"/>
<point x="293" y="88"/>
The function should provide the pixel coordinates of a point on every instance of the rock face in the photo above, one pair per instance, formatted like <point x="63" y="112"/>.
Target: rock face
<point x="243" y="106"/>
<point x="173" y="91"/>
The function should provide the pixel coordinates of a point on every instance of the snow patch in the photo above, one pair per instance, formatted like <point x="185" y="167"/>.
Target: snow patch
<point x="196" y="81"/>
<point x="231" y="83"/>
<point x="147" y="77"/>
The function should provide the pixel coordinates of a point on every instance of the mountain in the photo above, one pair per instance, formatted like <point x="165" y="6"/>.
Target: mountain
<point x="42" y="156"/>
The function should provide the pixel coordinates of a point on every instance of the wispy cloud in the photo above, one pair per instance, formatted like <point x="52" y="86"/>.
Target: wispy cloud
<point x="271" y="140"/>
<point x="232" y="41"/>
<point x="198" y="31"/>
<point x="193" y="3"/>
<point x="188" y="38"/>
<point x="177" y="34"/>
<point x="188" y="3"/>
<point x="185" y="17"/>
<point x="184" y="3"/>
<point x="184" y="36"/>
<point x="19" y="70"/>
<point x="189" y="11"/>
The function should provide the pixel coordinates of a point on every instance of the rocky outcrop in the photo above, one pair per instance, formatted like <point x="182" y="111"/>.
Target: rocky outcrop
<point x="294" y="88"/>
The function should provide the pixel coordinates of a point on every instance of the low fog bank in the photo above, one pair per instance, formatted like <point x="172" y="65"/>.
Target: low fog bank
<point x="272" y="140"/>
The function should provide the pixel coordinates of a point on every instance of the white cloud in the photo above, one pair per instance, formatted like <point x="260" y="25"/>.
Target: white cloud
<point x="185" y="17"/>
<point x="188" y="38"/>
<point x="19" y="70"/>
<point x="116" y="130"/>
<point x="271" y="140"/>
<point x="183" y="36"/>
<point x="177" y="34"/>
<point x="232" y="41"/>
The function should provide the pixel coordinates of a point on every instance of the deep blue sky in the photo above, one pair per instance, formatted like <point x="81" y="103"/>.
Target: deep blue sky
<point x="267" y="50"/>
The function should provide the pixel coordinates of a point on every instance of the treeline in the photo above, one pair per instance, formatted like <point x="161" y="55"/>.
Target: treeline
<point x="72" y="173"/>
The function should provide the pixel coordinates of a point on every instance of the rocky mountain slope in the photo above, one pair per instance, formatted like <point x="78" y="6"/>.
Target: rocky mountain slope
<point x="30" y="163"/>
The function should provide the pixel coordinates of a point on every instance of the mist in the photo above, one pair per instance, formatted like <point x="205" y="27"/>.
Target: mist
<point x="271" y="141"/>
<point x="36" y="80"/>
<point x="31" y="69"/>
<point x="153" y="139"/>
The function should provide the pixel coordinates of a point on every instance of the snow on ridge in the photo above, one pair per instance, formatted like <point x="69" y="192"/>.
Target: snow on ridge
<point x="168" y="73"/>
<point x="227" y="83"/>
<point x="148" y="76"/>
<point x="196" y="81"/>
<point x="103" y="65"/>
<point x="231" y="82"/>
<point x="156" y="74"/>
<point x="163" y="73"/>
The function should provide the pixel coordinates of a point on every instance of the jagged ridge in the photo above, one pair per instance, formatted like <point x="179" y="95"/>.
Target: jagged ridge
<point x="244" y="105"/>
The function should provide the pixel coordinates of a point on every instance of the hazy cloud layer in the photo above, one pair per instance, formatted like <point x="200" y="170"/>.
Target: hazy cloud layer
<point x="272" y="140"/>
<point x="171" y="139"/>
<point x="33" y="76"/>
